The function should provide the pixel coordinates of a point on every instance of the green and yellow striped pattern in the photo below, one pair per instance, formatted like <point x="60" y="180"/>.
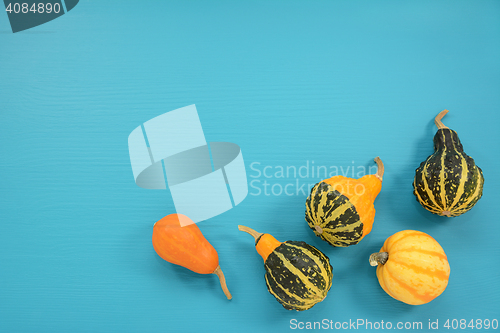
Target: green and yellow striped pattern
<point x="298" y="275"/>
<point x="448" y="183"/>
<point x="332" y="216"/>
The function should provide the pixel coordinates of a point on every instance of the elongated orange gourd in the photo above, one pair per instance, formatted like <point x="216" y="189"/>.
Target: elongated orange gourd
<point x="412" y="267"/>
<point x="340" y="210"/>
<point x="185" y="246"/>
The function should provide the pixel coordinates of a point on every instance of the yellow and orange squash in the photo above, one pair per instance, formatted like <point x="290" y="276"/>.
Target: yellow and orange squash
<point x="412" y="267"/>
<point x="186" y="246"/>
<point x="340" y="210"/>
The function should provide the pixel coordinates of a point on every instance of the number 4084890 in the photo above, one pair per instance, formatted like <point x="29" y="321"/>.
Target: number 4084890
<point x="36" y="8"/>
<point x="477" y="324"/>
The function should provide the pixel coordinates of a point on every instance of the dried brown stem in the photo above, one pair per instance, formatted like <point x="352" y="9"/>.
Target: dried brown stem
<point x="222" y="279"/>
<point x="380" y="170"/>
<point x="252" y="232"/>
<point x="438" y="118"/>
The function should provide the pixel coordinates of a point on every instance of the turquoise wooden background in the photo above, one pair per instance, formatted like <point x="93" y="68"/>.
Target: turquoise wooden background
<point x="291" y="82"/>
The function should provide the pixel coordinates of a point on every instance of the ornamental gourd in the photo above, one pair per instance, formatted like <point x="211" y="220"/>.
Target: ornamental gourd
<point x="186" y="246"/>
<point x="298" y="275"/>
<point x="340" y="209"/>
<point x="448" y="182"/>
<point x="412" y="267"/>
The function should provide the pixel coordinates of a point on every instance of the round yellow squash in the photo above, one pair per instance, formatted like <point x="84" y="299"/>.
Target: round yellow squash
<point x="412" y="267"/>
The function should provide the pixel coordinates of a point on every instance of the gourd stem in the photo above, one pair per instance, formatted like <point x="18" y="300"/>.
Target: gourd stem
<point x="380" y="170"/>
<point x="438" y="118"/>
<point x="252" y="232"/>
<point x="379" y="258"/>
<point x="222" y="279"/>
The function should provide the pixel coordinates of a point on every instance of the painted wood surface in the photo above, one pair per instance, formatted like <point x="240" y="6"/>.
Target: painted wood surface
<point x="297" y="84"/>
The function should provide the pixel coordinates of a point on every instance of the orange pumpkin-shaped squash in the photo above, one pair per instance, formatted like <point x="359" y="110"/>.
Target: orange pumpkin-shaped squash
<point x="412" y="267"/>
<point x="186" y="246"/>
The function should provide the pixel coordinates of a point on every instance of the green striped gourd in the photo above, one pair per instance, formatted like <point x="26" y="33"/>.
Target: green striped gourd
<point x="298" y="275"/>
<point x="448" y="182"/>
<point x="340" y="210"/>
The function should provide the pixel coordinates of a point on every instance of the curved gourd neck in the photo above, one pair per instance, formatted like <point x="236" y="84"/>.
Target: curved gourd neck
<point x="264" y="243"/>
<point x="353" y="188"/>
<point x="446" y="138"/>
<point x="373" y="183"/>
<point x="371" y="186"/>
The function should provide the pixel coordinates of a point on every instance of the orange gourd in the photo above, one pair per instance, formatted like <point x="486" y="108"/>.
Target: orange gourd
<point x="412" y="267"/>
<point x="186" y="246"/>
